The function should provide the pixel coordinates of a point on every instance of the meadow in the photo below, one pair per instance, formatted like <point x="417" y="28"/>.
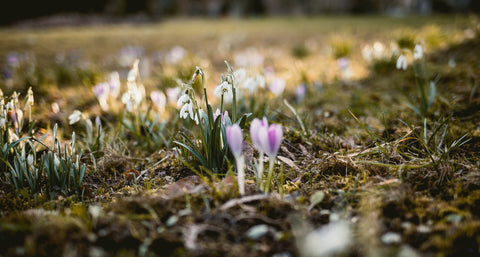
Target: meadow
<point x="284" y="136"/>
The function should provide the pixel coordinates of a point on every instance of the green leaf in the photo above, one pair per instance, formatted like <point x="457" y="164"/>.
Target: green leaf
<point x="431" y="94"/>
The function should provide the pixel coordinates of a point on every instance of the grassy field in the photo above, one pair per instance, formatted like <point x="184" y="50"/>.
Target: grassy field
<point x="372" y="160"/>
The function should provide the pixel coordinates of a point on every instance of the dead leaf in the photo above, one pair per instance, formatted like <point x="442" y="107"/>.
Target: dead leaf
<point x="289" y="163"/>
<point x="188" y="184"/>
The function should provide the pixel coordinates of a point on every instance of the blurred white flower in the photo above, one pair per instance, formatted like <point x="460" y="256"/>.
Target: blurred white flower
<point x="128" y="55"/>
<point x="75" y="117"/>
<point x="260" y="81"/>
<point x="367" y="53"/>
<point x="175" y="55"/>
<point x="378" y="50"/>
<point x="55" y="108"/>
<point x="276" y="86"/>
<point x="101" y="91"/>
<point x="417" y="52"/>
<point x="402" y="62"/>
<point x="239" y="75"/>
<point x="114" y="84"/>
<point x="172" y="94"/>
<point x="249" y="58"/>
<point x="329" y="240"/>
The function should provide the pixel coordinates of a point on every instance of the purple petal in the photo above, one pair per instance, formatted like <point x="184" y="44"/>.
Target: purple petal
<point x="235" y="139"/>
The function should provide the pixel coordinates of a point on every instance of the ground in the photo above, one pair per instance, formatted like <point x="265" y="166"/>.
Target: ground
<point x="357" y="165"/>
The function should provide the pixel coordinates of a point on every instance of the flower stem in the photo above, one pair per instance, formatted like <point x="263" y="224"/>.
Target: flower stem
<point x="241" y="174"/>
<point x="270" y="174"/>
<point x="260" y="170"/>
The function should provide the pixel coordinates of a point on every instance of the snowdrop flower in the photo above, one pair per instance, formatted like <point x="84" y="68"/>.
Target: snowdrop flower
<point x="2" y="123"/>
<point x="30" y="100"/>
<point x="277" y="86"/>
<point x="134" y="96"/>
<point x="225" y="90"/>
<point x="418" y="52"/>
<point x="186" y="111"/>
<point x="133" y="72"/>
<point x="402" y="62"/>
<point x="75" y="117"/>
<point x="235" y="141"/>
<point x="114" y="84"/>
<point x="184" y="99"/>
<point x="329" y="240"/>
<point x="159" y="100"/>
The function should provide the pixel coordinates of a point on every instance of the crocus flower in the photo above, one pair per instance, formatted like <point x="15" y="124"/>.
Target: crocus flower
<point x="277" y="86"/>
<point x="255" y="127"/>
<point x="172" y="94"/>
<point x="343" y="63"/>
<point x="417" y="52"/>
<point x="217" y="113"/>
<point x="270" y="139"/>
<point x="101" y="91"/>
<point x="402" y="62"/>
<point x="159" y="100"/>
<point x="235" y="139"/>
<point x="300" y="92"/>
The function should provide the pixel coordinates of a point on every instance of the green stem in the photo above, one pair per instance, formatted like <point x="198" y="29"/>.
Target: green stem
<point x="260" y="170"/>
<point x="234" y="115"/>
<point x="270" y="174"/>
<point x="241" y="173"/>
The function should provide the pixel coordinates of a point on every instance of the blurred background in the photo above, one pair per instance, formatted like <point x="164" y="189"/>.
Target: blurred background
<point x="104" y="11"/>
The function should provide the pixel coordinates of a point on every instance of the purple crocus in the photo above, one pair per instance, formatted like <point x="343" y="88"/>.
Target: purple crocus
<point x="270" y="139"/>
<point x="255" y="128"/>
<point x="235" y="139"/>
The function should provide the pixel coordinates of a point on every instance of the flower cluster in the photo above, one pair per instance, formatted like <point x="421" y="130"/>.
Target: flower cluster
<point x="186" y="104"/>
<point x="266" y="139"/>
